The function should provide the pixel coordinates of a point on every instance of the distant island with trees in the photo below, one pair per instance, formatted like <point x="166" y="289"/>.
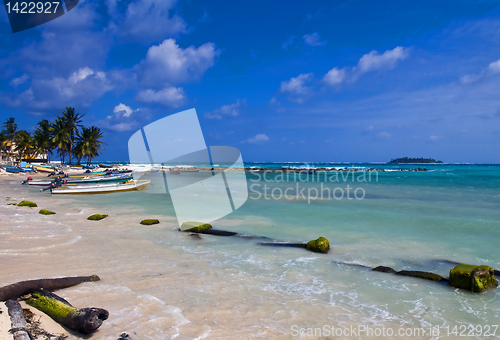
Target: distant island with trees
<point x="409" y="160"/>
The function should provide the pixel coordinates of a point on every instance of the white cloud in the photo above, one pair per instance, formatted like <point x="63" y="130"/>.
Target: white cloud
<point x="335" y="76"/>
<point x="127" y="110"/>
<point x="167" y="63"/>
<point x="383" y="135"/>
<point x="226" y="110"/>
<point x="314" y="39"/>
<point x="369" y="62"/>
<point x="435" y="138"/>
<point x="258" y="139"/>
<point x="170" y="96"/>
<point x="145" y="21"/>
<point x="375" y="61"/>
<point x="492" y="69"/>
<point x="18" y="81"/>
<point x="296" y="87"/>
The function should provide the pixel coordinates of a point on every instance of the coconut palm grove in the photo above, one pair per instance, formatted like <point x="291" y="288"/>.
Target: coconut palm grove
<point x="65" y="136"/>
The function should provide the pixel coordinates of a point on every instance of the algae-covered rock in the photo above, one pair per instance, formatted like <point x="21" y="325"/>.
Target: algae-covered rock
<point x="150" y="221"/>
<point x="321" y="245"/>
<point x="194" y="227"/>
<point x="472" y="277"/>
<point x="96" y="217"/>
<point x="46" y="212"/>
<point x="12" y="204"/>
<point x="384" y="269"/>
<point x="27" y="204"/>
<point x="421" y="275"/>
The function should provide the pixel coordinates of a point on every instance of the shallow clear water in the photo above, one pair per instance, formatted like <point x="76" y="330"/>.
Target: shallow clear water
<point x="157" y="280"/>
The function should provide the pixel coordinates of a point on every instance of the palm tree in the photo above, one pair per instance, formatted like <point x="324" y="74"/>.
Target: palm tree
<point x="24" y="145"/>
<point x="72" y="121"/>
<point x="43" y="139"/>
<point x="89" y="142"/>
<point x="60" y="136"/>
<point x="3" y="142"/>
<point x="10" y="129"/>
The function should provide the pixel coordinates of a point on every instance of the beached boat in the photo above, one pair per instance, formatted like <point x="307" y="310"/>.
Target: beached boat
<point x="101" y="188"/>
<point x="13" y="169"/>
<point x="83" y="180"/>
<point x="40" y="168"/>
<point x="86" y="174"/>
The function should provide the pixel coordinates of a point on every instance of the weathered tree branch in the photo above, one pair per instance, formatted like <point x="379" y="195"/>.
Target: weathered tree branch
<point x="18" y="324"/>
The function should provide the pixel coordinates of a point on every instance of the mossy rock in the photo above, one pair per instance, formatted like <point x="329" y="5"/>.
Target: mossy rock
<point x="150" y="221"/>
<point x="384" y="269"/>
<point x="96" y="217"/>
<point x="46" y="212"/>
<point x="421" y="275"/>
<point x="321" y="245"/>
<point x="12" y="204"/>
<point x="195" y="227"/>
<point x="27" y="204"/>
<point x="473" y="278"/>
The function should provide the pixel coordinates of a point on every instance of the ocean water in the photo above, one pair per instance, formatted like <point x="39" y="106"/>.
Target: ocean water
<point x="159" y="283"/>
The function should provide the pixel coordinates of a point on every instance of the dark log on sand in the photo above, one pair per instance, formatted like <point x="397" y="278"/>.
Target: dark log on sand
<point x="19" y="330"/>
<point x="83" y="320"/>
<point x="25" y="287"/>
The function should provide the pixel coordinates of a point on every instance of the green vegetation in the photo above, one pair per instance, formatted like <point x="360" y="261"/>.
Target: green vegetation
<point x="321" y="245"/>
<point x="473" y="278"/>
<point x="27" y="204"/>
<point x="150" y="221"/>
<point x="409" y="160"/>
<point x="194" y="227"/>
<point x="50" y="306"/>
<point x="96" y="217"/>
<point x="65" y="134"/>
<point x="46" y="212"/>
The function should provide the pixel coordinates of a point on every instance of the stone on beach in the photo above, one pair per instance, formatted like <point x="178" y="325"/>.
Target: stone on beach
<point x="96" y="217"/>
<point x="46" y="212"/>
<point x="421" y="275"/>
<point x="321" y="245"/>
<point x="150" y="221"/>
<point x="27" y="204"/>
<point x="195" y="227"/>
<point x="384" y="269"/>
<point x="473" y="278"/>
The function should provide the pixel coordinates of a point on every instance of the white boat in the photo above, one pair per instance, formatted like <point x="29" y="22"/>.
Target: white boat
<point x="73" y="181"/>
<point x="104" y="188"/>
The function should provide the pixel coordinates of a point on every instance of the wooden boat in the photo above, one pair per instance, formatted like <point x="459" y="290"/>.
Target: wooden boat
<point x="13" y="169"/>
<point x="40" y="168"/>
<point x="84" y="180"/>
<point x="101" y="188"/>
<point x="175" y="172"/>
<point x="88" y="174"/>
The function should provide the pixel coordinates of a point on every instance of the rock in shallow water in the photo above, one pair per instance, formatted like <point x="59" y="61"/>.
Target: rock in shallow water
<point x="384" y="269"/>
<point x="421" y="275"/>
<point x="473" y="278"/>
<point x="321" y="245"/>
<point x="96" y="217"/>
<point x="46" y="212"/>
<point x="150" y="221"/>
<point x="194" y="227"/>
<point x="27" y="204"/>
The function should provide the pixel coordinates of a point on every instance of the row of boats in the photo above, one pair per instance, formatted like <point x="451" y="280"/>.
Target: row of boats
<point x="90" y="183"/>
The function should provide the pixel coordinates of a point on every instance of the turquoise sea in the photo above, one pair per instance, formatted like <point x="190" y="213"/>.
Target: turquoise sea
<point x="406" y="220"/>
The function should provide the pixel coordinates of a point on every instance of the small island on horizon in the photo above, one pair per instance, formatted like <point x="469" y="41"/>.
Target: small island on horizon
<point x="410" y="160"/>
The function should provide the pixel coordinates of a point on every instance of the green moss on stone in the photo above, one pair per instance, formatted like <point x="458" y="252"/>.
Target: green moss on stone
<point x="194" y="227"/>
<point x="150" y="221"/>
<point x="12" y="204"/>
<point x="27" y="204"/>
<point x="472" y="277"/>
<point x="46" y="212"/>
<point x="321" y="245"/>
<point x="49" y="306"/>
<point x="96" y="217"/>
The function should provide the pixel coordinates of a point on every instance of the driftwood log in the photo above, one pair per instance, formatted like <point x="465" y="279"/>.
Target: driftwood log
<point x="83" y="320"/>
<point x="25" y="287"/>
<point x="18" y="324"/>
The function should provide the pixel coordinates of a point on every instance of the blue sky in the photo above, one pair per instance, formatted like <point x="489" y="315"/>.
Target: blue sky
<point x="282" y="81"/>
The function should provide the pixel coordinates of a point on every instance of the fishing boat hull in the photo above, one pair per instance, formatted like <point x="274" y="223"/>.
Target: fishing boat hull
<point x="102" y="188"/>
<point x="43" y="169"/>
<point x="71" y="181"/>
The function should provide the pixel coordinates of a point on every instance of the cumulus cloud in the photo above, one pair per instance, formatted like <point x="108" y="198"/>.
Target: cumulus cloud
<point x="167" y="63"/>
<point x="258" y="139"/>
<point x="383" y="135"/>
<point x="80" y="88"/>
<point x="170" y="96"/>
<point x="493" y="68"/>
<point x="296" y="87"/>
<point x="314" y="39"/>
<point x="124" y="118"/>
<point x="369" y="62"/>
<point x="232" y="110"/>
<point x="145" y="21"/>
